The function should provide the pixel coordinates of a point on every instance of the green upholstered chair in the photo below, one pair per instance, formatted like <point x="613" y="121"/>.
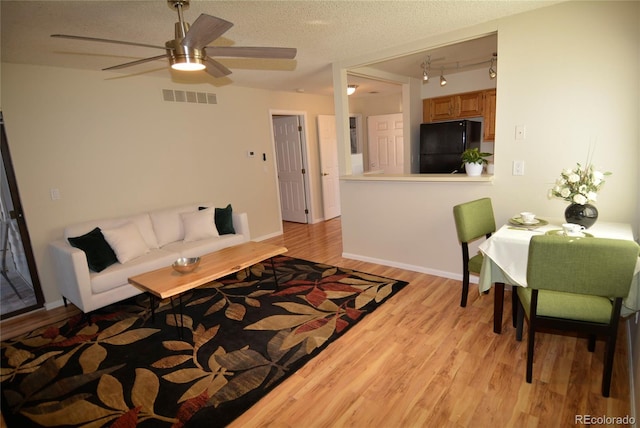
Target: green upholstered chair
<point x="576" y="285"/>
<point x="473" y="221"/>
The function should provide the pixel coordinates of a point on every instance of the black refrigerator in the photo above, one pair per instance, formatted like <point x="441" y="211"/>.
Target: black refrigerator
<point x="442" y="144"/>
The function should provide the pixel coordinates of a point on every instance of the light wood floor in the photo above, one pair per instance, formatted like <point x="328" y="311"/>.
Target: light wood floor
<point x="421" y="360"/>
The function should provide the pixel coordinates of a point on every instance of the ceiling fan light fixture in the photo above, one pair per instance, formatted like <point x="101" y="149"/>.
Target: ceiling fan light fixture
<point x="184" y="58"/>
<point x="187" y="64"/>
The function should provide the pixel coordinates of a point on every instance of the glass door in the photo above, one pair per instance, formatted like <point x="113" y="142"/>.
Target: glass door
<point x="20" y="290"/>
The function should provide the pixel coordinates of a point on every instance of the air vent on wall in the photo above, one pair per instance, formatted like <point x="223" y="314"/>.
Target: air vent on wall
<point x="189" y="97"/>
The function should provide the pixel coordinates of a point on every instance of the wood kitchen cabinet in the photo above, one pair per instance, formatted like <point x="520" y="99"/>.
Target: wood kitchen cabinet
<point x="459" y="106"/>
<point x="470" y="104"/>
<point x="489" y="115"/>
<point x="442" y="108"/>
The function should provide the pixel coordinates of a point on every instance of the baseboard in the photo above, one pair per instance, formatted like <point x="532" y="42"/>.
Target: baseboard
<point x="53" y="305"/>
<point x="435" y="272"/>
<point x="269" y="236"/>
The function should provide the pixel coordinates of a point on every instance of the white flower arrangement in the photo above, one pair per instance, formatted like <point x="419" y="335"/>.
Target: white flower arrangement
<point x="579" y="185"/>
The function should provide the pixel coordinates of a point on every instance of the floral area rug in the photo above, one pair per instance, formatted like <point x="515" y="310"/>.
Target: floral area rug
<point x="241" y="337"/>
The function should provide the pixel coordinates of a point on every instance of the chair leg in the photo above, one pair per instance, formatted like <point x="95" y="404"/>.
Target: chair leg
<point x="532" y="333"/>
<point x="514" y="306"/>
<point x="591" y="344"/>
<point x="465" y="289"/>
<point x="608" y="364"/>
<point x="520" y="321"/>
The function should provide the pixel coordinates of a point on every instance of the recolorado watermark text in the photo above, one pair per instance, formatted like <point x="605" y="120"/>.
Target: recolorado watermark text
<point x="604" y="420"/>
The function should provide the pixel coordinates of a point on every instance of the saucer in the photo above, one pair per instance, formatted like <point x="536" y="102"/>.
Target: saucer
<point x="560" y="232"/>
<point x="517" y="221"/>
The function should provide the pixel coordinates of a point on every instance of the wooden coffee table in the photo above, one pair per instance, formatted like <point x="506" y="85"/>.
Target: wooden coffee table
<point x="167" y="283"/>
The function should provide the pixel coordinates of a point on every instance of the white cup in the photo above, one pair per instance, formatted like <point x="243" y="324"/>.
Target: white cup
<point x="572" y="229"/>
<point x="527" y="217"/>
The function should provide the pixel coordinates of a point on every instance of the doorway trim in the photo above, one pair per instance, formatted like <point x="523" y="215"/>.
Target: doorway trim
<point x="302" y="119"/>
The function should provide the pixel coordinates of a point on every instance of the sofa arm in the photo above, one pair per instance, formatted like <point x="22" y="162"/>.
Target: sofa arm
<point x="72" y="274"/>
<point x="241" y="225"/>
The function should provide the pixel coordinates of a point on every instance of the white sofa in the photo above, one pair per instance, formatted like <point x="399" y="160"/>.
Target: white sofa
<point x="166" y="235"/>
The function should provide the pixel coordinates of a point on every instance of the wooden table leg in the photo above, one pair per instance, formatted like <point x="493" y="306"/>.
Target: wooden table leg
<point x="498" y="303"/>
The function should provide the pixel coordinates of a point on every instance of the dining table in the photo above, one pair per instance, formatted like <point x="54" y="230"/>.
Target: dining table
<point x="506" y="254"/>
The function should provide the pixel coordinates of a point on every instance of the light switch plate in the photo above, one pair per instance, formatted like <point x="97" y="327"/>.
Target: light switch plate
<point x="518" y="167"/>
<point x="520" y="132"/>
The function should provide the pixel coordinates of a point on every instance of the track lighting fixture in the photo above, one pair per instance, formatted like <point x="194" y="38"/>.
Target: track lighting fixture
<point x="443" y="81"/>
<point x="492" y="71"/>
<point x="351" y="89"/>
<point x="426" y="67"/>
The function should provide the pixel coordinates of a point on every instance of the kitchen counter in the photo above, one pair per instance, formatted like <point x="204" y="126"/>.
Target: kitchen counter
<point x="461" y="178"/>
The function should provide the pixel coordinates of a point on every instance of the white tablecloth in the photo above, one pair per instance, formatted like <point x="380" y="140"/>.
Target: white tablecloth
<point x="507" y="251"/>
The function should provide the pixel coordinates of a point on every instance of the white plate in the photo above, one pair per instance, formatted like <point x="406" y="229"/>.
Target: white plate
<point x="560" y="232"/>
<point x="517" y="221"/>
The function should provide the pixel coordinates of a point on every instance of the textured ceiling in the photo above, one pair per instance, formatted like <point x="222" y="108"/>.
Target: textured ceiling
<point x="322" y="31"/>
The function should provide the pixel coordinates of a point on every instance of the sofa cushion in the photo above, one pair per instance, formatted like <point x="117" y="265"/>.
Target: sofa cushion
<point x="167" y="223"/>
<point x="143" y="221"/>
<point x="126" y="241"/>
<point x="204" y="246"/>
<point x="199" y="225"/>
<point x="98" y="252"/>
<point x="118" y="274"/>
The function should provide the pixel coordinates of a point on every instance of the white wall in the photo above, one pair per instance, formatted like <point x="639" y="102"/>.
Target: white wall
<point x="113" y="147"/>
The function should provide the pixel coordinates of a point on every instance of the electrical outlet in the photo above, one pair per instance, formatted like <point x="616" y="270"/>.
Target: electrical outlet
<point x="55" y="194"/>
<point x="518" y="167"/>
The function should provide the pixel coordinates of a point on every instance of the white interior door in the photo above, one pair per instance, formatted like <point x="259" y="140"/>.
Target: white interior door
<point x="386" y="143"/>
<point x="286" y="130"/>
<point x="329" y="166"/>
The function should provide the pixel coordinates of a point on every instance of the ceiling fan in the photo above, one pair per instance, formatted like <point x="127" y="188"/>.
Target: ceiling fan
<point x="189" y="50"/>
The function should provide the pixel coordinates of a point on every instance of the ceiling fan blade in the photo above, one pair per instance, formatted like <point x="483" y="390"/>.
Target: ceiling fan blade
<point x="204" y="30"/>
<point x="216" y="69"/>
<point x="94" y="39"/>
<point x="140" y="61"/>
<point x="252" y="52"/>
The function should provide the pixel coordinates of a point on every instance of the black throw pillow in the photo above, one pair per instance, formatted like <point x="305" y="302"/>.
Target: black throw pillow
<point x="99" y="253"/>
<point x="223" y="219"/>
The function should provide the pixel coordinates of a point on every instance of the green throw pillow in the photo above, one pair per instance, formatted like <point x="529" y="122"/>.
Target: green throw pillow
<point x="223" y="219"/>
<point x="99" y="253"/>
